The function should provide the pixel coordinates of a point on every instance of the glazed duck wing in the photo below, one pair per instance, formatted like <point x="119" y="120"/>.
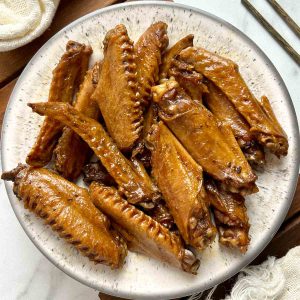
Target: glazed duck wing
<point x="69" y="161"/>
<point x="190" y="80"/>
<point x="142" y="232"/>
<point x="151" y="117"/>
<point x="259" y="114"/>
<point x="70" y="212"/>
<point x="140" y="159"/>
<point x="212" y="145"/>
<point x="136" y="187"/>
<point x="140" y="151"/>
<point x="230" y="215"/>
<point x="180" y="180"/>
<point x="148" y="50"/>
<point x="171" y="53"/>
<point x="220" y="106"/>
<point x="66" y="78"/>
<point x="218" y="103"/>
<point x="116" y="92"/>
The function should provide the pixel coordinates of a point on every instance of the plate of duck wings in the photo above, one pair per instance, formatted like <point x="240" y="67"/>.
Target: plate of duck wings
<point x="150" y="150"/>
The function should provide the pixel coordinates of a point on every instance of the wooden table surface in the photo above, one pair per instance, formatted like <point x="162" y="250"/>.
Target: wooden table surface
<point x="13" y="62"/>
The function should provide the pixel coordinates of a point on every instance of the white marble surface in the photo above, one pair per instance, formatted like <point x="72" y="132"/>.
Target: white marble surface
<point x="25" y="273"/>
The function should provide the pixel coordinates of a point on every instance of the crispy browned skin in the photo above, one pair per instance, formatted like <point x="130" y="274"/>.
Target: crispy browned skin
<point x="212" y="145"/>
<point x="230" y="215"/>
<point x="116" y="92"/>
<point x="224" y="110"/>
<point x="136" y="187"/>
<point x="259" y="114"/>
<point x="149" y="49"/>
<point x="180" y="180"/>
<point x="69" y="211"/>
<point x="144" y="234"/>
<point x="71" y="152"/>
<point x="189" y="79"/>
<point x="66" y="78"/>
<point x="170" y="54"/>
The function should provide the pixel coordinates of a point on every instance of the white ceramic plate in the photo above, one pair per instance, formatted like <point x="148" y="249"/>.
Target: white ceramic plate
<point x="143" y="277"/>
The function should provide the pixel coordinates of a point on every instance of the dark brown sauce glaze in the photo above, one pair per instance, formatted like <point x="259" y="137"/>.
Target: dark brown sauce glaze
<point x="70" y="212"/>
<point x="137" y="186"/>
<point x="67" y="77"/>
<point x="142" y="233"/>
<point x="258" y="113"/>
<point x="148" y="50"/>
<point x="116" y="92"/>
<point x="180" y="180"/>
<point x="211" y="144"/>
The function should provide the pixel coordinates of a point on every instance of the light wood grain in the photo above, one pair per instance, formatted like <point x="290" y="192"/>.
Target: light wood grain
<point x="295" y="207"/>
<point x="284" y="15"/>
<point x="108" y="297"/>
<point x="5" y="93"/>
<point x="13" y="62"/>
<point x="287" y="238"/>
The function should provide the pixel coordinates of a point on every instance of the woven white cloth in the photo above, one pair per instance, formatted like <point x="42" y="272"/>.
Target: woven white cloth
<point x="274" y="279"/>
<point x="21" y="21"/>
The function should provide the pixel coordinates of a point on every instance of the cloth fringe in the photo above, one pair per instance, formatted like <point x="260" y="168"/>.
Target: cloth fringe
<point x="262" y="282"/>
<point x="274" y="279"/>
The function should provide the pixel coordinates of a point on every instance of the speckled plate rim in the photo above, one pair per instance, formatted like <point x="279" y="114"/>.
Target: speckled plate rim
<point x="292" y="187"/>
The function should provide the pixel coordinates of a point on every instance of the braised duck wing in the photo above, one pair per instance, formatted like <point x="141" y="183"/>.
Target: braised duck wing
<point x="71" y="152"/>
<point x="67" y="76"/>
<point x="143" y="233"/>
<point x="180" y="180"/>
<point x="70" y="212"/>
<point x="218" y="103"/>
<point x="149" y="50"/>
<point x="116" y="92"/>
<point x="230" y="214"/>
<point x="224" y="73"/>
<point x="211" y="144"/>
<point x="171" y="53"/>
<point x="136" y="187"/>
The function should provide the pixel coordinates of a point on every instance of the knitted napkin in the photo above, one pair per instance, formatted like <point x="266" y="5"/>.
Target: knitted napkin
<point x="21" y="21"/>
